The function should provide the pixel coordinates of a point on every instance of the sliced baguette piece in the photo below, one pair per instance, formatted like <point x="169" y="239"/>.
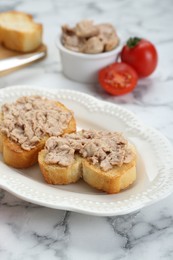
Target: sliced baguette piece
<point x="55" y="174"/>
<point x="15" y="156"/>
<point x="19" y="32"/>
<point x="112" y="181"/>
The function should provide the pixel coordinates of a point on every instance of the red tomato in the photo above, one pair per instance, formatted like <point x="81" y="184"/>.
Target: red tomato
<point x="141" y="55"/>
<point x="118" y="78"/>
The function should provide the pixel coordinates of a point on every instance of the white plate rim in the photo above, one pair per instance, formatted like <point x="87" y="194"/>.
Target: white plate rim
<point x="152" y="195"/>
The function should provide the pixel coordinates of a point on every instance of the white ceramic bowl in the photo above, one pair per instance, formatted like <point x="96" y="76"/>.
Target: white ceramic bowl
<point x="83" y="67"/>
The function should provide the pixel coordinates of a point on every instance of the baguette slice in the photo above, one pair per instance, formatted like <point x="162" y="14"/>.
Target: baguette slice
<point x="15" y="156"/>
<point x="55" y="174"/>
<point x="112" y="181"/>
<point x="19" y="32"/>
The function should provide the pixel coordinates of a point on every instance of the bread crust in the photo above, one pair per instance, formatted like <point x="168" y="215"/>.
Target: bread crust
<point x="15" y="156"/>
<point x="112" y="181"/>
<point x="17" y="39"/>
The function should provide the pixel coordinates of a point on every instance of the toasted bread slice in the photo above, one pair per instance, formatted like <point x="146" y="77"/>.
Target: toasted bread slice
<point x="15" y="156"/>
<point x="19" y="32"/>
<point x="55" y="174"/>
<point x="111" y="181"/>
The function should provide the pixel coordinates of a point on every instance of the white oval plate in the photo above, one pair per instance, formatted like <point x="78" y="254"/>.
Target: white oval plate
<point x="154" y="162"/>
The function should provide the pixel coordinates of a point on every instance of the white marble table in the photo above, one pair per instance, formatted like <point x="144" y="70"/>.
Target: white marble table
<point x="28" y="231"/>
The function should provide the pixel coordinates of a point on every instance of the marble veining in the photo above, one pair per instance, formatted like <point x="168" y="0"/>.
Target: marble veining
<point x="29" y="231"/>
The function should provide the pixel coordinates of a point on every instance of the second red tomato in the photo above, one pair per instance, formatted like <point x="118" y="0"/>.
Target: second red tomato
<point x="141" y="55"/>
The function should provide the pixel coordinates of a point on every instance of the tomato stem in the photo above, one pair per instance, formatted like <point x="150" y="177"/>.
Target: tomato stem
<point x="132" y="42"/>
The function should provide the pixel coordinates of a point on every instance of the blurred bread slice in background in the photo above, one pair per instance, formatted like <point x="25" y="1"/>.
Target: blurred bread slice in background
<point x="19" y="32"/>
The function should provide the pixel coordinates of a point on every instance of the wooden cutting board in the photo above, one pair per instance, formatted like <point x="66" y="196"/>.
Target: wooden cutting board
<point x="6" y="53"/>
